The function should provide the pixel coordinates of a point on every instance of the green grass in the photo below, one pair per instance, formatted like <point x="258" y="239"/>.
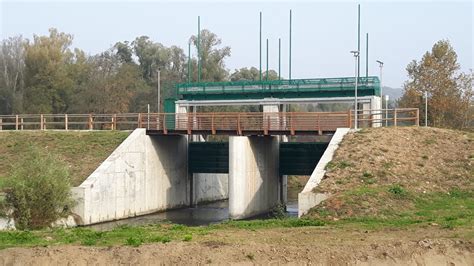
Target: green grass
<point x="448" y="210"/>
<point x="82" y="151"/>
<point x="137" y="235"/>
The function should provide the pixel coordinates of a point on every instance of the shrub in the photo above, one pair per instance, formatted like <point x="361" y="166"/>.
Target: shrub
<point x="38" y="190"/>
<point x="397" y="190"/>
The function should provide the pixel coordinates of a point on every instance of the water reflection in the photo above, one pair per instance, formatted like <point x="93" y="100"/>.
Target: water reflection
<point x="203" y="214"/>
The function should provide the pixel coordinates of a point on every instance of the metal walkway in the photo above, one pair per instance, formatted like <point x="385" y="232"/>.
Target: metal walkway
<point x="295" y="88"/>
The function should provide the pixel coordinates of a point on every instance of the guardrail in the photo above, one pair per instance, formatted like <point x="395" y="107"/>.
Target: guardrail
<point x="290" y="123"/>
<point x="345" y="83"/>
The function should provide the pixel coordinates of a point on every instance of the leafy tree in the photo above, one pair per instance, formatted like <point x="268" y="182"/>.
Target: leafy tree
<point x="449" y="92"/>
<point x="47" y="83"/>
<point x="212" y="57"/>
<point x="12" y="65"/>
<point x="252" y="74"/>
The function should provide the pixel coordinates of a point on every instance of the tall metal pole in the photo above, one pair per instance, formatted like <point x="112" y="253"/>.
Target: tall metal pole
<point x="266" y="74"/>
<point x="260" y="43"/>
<point x="356" y="56"/>
<point x="159" y="91"/>
<point x="381" y="91"/>
<point x="199" y="49"/>
<point x="289" y="69"/>
<point x="426" y="108"/>
<point x="367" y="56"/>
<point x="279" y="58"/>
<point x="189" y="62"/>
<point x="358" y="39"/>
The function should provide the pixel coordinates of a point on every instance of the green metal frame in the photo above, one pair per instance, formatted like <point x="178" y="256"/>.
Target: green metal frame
<point x="296" y="88"/>
<point x="296" y="158"/>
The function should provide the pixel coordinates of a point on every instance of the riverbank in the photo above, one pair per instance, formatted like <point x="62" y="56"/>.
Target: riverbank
<point x="242" y="243"/>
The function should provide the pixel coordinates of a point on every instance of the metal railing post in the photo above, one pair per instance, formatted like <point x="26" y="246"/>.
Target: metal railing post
<point x="417" y="118"/>
<point x="239" y="132"/>
<point x="66" y="122"/>
<point x="16" y="122"/>
<point x="41" y="122"/>
<point x="395" y="117"/>
<point x="165" y="130"/>
<point x="1" y="124"/>
<point x="213" y="128"/>
<point x="114" y="121"/>
<point x="139" y="125"/>
<point x="91" y="123"/>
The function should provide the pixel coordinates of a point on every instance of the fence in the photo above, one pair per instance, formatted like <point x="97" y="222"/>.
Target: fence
<point x="283" y="122"/>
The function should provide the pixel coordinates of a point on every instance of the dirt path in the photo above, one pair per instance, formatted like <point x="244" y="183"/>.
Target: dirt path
<point x="309" y="245"/>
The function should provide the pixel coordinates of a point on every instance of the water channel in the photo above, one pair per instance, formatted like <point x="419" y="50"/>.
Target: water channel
<point x="203" y="214"/>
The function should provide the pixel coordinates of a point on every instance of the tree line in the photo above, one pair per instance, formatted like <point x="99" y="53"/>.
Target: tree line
<point x="46" y="75"/>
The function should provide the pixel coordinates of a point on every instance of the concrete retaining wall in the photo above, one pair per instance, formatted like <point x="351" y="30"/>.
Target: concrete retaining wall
<point x="253" y="175"/>
<point x="307" y="199"/>
<point x="210" y="187"/>
<point x="143" y="175"/>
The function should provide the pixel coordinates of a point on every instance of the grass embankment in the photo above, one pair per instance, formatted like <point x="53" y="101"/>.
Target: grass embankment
<point x="380" y="180"/>
<point x="401" y="176"/>
<point x="81" y="151"/>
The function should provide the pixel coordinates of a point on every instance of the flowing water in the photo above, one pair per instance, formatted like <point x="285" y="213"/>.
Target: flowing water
<point x="203" y="214"/>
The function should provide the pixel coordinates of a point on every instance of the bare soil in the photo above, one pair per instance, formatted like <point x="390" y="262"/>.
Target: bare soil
<point x="421" y="159"/>
<point x="308" y="245"/>
<point x="388" y="170"/>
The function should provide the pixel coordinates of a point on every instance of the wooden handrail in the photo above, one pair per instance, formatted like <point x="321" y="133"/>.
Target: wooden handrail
<point x="213" y="123"/>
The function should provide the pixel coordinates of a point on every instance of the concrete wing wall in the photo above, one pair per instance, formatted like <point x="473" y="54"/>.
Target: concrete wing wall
<point x="143" y="175"/>
<point x="307" y="198"/>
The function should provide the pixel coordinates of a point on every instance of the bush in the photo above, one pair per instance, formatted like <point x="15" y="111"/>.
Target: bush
<point x="38" y="190"/>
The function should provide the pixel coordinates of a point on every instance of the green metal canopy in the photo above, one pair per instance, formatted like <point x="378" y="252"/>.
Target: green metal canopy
<point x="295" y="88"/>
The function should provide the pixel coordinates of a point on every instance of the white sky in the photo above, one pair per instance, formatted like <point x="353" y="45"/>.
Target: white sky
<point x="323" y="32"/>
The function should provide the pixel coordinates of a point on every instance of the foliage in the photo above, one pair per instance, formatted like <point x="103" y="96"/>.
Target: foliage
<point x="450" y="93"/>
<point x="46" y="75"/>
<point x="252" y="74"/>
<point x="38" y="190"/>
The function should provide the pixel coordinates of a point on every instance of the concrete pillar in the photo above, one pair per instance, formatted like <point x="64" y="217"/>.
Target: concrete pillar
<point x="376" y="105"/>
<point x="181" y="121"/>
<point x="253" y="175"/>
<point x="365" y="114"/>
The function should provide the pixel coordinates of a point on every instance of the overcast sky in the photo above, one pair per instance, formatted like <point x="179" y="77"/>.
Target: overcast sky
<point x="324" y="33"/>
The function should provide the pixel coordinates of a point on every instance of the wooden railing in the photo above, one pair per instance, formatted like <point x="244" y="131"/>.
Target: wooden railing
<point x="214" y="123"/>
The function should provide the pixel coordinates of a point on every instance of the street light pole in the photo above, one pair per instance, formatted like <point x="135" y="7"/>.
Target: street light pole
<point x="381" y="88"/>
<point x="356" y="56"/>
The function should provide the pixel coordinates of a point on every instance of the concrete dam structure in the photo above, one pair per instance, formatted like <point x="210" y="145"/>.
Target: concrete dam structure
<point x="152" y="173"/>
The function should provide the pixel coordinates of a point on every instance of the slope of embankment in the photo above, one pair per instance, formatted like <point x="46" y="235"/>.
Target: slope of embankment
<point x="82" y="151"/>
<point x="401" y="176"/>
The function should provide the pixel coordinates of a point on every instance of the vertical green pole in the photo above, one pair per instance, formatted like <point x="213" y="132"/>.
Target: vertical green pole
<point x="260" y="46"/>
<point x="367" y="56"/>
<point x="266" y="74"/>
<point x="279" y="58"/>
<point x="189" y="62"/>
<point x="358" y="39"/>
<point x="199" y="49"/>
<point x="289" y="76"/>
